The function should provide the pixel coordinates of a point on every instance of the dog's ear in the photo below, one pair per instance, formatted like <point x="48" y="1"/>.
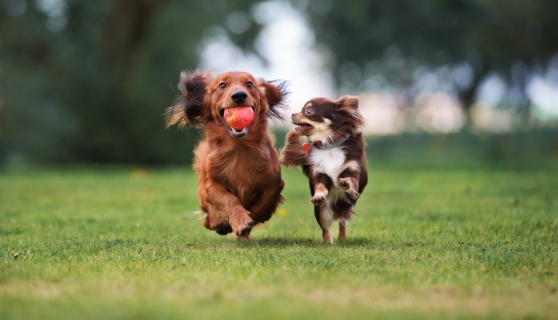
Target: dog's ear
<point x="347" y="101"/>
<point x="275" y="93"/>
<point x="349" y="105"/>
<point x="189" y="107"/>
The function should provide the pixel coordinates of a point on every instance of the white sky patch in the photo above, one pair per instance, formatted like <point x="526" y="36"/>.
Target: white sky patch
<point x="57" y="13"/>
<point x="287" y="43"/>
<point x="492" y="90"/>
<point x="544" y="98"/>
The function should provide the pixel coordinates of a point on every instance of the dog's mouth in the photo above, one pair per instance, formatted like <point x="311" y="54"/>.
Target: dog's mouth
<point x="303" y="127"/>
<point x="234" y="132"/>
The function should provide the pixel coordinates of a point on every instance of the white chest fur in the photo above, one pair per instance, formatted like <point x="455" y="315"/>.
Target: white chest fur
<point x="330" y="162"/>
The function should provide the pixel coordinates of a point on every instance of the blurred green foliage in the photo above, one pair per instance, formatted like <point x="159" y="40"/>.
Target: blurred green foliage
<point x="96" y="91"/>
<point x="394" y="39"/>
<point x="90" y="82"/>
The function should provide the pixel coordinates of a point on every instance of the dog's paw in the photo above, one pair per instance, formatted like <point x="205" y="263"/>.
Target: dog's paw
<point x="223" y="228"/>
<point x="344" y="183"/>
<point x="347" y="186"/>
<point x="243" y="230"/>
<point x="318" y="199"/>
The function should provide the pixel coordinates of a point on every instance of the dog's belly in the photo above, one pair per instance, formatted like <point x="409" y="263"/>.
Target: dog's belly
<point x="332" y="163"/>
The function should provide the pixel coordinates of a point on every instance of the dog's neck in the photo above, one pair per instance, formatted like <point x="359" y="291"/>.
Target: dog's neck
<point x="325" y="146"/>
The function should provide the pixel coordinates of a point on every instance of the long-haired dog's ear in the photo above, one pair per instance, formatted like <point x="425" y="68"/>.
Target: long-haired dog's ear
<point x="189" y="107"/>
<point x="276" y="94"/>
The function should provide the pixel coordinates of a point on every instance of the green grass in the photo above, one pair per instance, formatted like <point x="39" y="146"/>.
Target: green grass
<point x="426" y="243"/>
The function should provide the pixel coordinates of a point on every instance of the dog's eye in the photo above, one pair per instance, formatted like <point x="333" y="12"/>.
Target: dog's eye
<point x="222" y="85"/>
<point x="309" y="111"/>
<point x="249" y="84"/>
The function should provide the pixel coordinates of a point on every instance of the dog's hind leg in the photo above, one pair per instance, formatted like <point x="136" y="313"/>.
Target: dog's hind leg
<point x="325" y="218"/>
<point x="320" y="184"/>
<point x="271" y="197"/>
<point x="342" y="230"/>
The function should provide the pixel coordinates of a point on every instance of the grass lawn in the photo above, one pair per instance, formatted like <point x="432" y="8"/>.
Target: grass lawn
<point x="442" y="243"/>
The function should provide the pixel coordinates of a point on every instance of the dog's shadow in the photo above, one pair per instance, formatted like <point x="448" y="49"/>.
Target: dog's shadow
<point x="274" y="242"/>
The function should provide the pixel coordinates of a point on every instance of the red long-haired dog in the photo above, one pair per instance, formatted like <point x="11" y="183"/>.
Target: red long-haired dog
<point x="239" y="173"/>
<point x="327" y="142"/>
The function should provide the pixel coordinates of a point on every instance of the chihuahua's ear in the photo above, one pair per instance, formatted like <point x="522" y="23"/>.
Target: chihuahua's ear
<point x="347" y="101"/>
<point x="189" y="107"/>
<point x="275" y="93"/>
<point x="349" y="106"/>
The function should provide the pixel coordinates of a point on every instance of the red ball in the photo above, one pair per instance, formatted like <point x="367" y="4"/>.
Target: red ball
<point x="239" y="117"/>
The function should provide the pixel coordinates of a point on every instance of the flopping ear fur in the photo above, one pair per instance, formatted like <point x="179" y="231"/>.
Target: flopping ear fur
<point x="275" y="93"/>
<point x="189" y="107"/>
<point x="347" y="101"/>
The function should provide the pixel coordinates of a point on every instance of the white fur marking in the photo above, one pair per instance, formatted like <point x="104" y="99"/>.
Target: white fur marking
<point x="331" y="162"/>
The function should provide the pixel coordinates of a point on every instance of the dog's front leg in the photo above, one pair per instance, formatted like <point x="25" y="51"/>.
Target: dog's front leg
<point x="321" y="183"/>
<point x="348" y="181"/>
<point x="227" y="204"/>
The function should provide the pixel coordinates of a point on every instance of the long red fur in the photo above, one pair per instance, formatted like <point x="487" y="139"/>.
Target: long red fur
<point x="239" y="178"/>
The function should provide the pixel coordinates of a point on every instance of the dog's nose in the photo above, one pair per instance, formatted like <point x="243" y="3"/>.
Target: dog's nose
<point x="239" y="96"/>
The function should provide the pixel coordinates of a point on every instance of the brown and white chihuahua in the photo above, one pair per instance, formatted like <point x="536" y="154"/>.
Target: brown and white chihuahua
<point x="327" y="143"/>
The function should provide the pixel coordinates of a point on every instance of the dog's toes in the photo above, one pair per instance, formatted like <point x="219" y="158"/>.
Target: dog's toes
<point x="244" y="230"/>
<point x="344" y="183"/>
<point x="318" y="200"/>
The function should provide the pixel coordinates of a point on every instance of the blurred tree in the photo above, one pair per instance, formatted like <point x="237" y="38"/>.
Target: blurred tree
<point x="389" y="43"/>
<point x="89" y="80"/>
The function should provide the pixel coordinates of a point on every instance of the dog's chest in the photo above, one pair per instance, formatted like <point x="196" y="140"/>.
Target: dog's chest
<point x="329" y="162"/>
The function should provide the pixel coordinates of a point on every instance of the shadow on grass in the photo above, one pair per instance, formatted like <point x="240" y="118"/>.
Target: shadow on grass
<point x="304" y="242"/>
<point x="356" y="242"/>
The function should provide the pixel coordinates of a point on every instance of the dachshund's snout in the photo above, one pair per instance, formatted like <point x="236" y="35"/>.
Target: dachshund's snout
<point x="239" y="96"/>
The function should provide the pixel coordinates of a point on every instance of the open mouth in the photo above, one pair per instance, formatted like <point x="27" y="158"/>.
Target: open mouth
<point x="237" y="129"/>
<point x="303" y="127"/>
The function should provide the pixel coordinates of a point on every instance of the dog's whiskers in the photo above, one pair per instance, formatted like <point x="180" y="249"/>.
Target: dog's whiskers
<point x="200" y="213"/>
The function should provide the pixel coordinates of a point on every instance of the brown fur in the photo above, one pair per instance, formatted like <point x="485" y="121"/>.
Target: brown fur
<point x="239" y="177"/>
<point x="329" y="122"/>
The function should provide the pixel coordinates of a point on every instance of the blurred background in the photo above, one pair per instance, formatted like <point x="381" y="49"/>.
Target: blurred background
<point x="439" y="80"/>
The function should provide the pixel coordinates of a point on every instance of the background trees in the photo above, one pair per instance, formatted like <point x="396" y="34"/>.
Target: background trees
<point x="89" y="81"/>
<point x="402" y="39"/>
